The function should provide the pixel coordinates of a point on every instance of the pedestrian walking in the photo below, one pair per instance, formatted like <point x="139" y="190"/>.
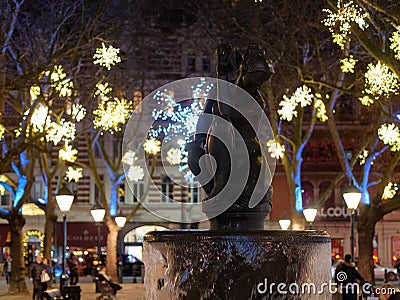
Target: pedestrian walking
<point x="73" y="269"/>
<point x="49" y="270"/>
<point x="346" y="276"/>
<point x="44" y="282"/>
<point x="7" y="268"/>
<point x="35" y="271"/>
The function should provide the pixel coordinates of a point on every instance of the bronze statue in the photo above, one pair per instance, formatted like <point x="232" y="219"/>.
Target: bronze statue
<point x="248" y="71"/>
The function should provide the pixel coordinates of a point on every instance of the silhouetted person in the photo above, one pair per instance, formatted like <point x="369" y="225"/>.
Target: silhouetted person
<point x="35" y="270"/>
<point x="103" y="279"/>
<point x="72" y="263"/>
<point x="346" y="276"/>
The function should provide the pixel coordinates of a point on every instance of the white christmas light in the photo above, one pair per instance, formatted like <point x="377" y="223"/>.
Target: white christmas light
<point x="106" y="57"/>
<point x="135" y="173"/>
<point x="174" y="156"/>
<point x="67" y="153"/>
<point x="73" y="174"/>
<point x="152" y="146"/>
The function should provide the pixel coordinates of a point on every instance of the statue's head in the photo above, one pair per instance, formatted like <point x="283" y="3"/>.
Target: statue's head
<point x="255" y="68"/>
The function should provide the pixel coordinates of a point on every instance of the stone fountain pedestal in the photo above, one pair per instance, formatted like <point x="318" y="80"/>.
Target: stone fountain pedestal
<point x="195" y="264"/>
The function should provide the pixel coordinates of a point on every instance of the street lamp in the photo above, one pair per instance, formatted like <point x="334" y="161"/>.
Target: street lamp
<point x="310" y="214"/>
<point x="284" y="223"/>
<point x="98" y="213"/>
<point x="352" y="197"/>
<point x="120" y="220"/>
<point x="64" y="200"/>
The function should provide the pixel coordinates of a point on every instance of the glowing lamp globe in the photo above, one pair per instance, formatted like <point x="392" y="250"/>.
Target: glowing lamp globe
<point x="64" y="199"/>
<point x="352" y="197"/>
<point x="120" y="220"/>
<point x="98" y="213"/>
<point x="310" y="214"/>
<point x="284" y="223"/>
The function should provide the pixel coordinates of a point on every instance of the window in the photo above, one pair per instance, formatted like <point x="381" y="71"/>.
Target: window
<point x="96" y="189"/>
<point x="5" y="200"/>
<point x="191" y="63"/>
<point x="330" y="202"/>
<point x="8" y="109"/>
<point x="206" y="63"/>
<point x="167" y="189"/>
<point x="37" y="190"/>
<point x="194" y="192"/>
<point x="307" y="191"/>
<point x="121" y="193"/>
<point x="138" y="191"/>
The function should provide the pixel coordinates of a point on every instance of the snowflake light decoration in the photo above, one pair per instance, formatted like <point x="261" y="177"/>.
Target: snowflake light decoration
<point x="320" y="108"/>
<point x="395" y="44"/>
<point x="39" y="118"/>
<point x="135" y="173"/>
<point x="152" y="146"/>
<point x="379" y="80"/>
<point x="110" y="115"/>
<point x="276" y="149"/>
<point x="180" y="119"/>
<point x="302" y="96"/>
<point x="34" y="92"/>
<point x="67" y="153"/>
<point x="102" y="91"/>
<point x="389" y="134"/>
<point x="61" y="85"/>
<point x="2" y="130"/>
<point x="174" y="156"/>
<point x="363" y="157"/>
<point x="73" y="174"/>
<point x="390" y="191"/>
<point x="129" y="158"/>
<point x="366" y="101"/>
<point x="347" y="64"/>
<point x="339" y="23"/>
<point x="106" y="57"/>
<point x="78" y="112"/>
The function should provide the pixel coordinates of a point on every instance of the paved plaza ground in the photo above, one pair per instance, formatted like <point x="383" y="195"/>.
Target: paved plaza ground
<point x="130" y="291"/>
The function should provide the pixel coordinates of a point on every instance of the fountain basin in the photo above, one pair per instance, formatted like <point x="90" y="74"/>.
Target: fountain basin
<point x="195" y="264"/>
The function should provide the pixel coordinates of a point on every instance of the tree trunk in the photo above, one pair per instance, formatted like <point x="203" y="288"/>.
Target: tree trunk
<point x="112" y="237"/>
<point x="51" y="219"/>
<point x="366" y="232"/>
<point x="18" y="273"/>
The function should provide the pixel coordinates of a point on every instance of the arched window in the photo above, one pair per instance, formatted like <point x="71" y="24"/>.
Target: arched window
<point x="323" y="186"/>
<point x="307" y="191"/>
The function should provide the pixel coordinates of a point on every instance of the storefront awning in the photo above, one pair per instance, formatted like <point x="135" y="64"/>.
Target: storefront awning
<point x="82" y="234"/>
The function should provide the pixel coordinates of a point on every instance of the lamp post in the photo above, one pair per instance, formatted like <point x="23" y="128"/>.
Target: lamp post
<point x="310" y="214"/>
<point x="120" y="220"/>
<point x="284" y="223"/>
<point x="98" y="213"/>
<point x="64" y="200"/>
<point x="352" y="197"/>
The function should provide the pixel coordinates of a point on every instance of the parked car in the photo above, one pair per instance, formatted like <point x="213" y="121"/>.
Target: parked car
<point x="132" y="266"/>
<point x="379" y="272"/>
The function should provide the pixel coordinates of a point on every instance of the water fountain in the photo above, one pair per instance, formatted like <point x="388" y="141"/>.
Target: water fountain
<point x="236" y="258"/>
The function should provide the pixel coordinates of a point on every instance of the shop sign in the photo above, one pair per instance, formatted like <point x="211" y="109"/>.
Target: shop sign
<point x="85" y="236"/>
<point x="334" y="212"/>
